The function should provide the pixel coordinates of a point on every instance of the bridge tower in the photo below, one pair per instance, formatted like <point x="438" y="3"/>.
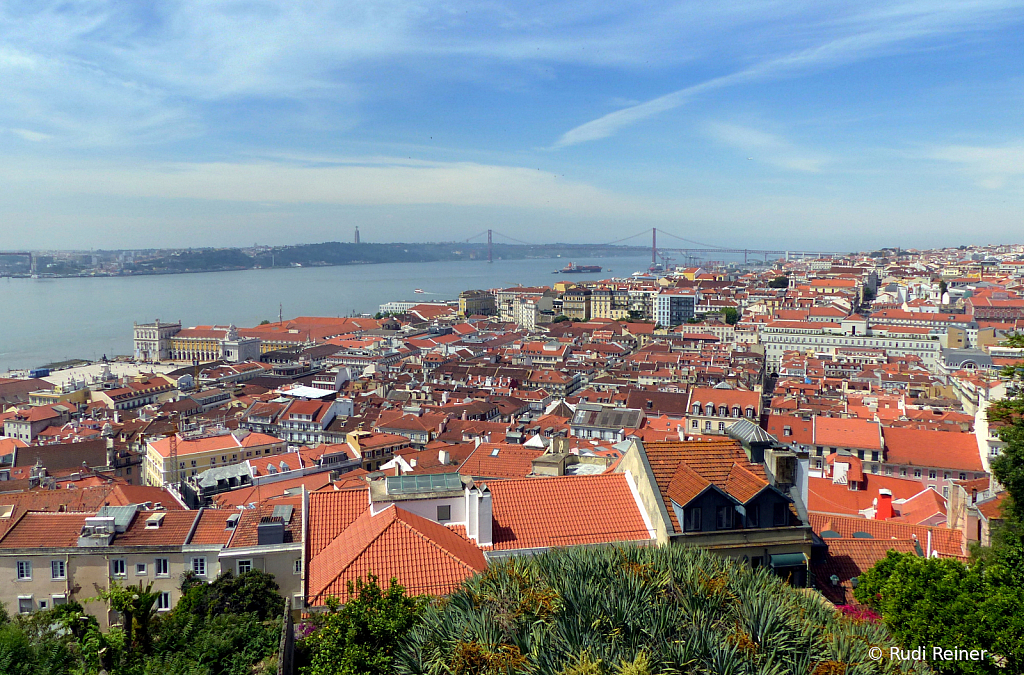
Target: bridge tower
<point x="490" y="257"/>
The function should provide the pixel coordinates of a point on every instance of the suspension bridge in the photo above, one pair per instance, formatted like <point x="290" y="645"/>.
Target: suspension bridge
<point x="696" y="249"/>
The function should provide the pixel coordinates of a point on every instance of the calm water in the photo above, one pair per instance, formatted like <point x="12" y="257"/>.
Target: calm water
<point x="46" y="320"/>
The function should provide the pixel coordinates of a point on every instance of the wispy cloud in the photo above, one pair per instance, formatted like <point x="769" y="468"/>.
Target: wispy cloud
<point x="767" y="147"/>
<point x="874" y="33"/>
<point x="992" y="167"/>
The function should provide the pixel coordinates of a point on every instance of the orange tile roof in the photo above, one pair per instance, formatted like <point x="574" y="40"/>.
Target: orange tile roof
<point x="743" y="484"/>
<point x="711" y="459"/>
<point x="36" y="530"/>
<point x="259" y="493"/>
<point x="824" y="496"/>
<point x="422" y="555"/>
<point x="993" y="508"/>
<point x="947" y="542"/>
<point x="686" y="485"/>
<point x="922" y="447"/>
<point x="511" y="461"/>
<point x="212" y="527"/>
<point x="254" y="439"/>
<point x="847" y="433"/>
<point x="173" y="530"/>
<point x="331" y="512"/>
<point x="565" y="511"/>
<point x="188" y="447"/>
<point x="849" y="558"/>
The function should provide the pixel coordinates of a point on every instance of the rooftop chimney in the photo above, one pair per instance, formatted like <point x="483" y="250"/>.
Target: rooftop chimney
<point x="884" y="511"/>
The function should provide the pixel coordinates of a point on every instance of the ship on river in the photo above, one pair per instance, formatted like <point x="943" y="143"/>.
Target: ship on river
<point x="573" y="268"/>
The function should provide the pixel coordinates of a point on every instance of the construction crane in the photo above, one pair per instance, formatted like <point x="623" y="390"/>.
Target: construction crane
<point x="172" y="435"/>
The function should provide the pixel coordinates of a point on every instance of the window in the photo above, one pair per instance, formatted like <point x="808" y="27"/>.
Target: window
<point x="244" y="566"/>
<point x="756" y="561"/>
<point x="24" y="570"/>
<point x="59" y="600"/>
<point x="199" y="566"/>
<point x="297" y="567"/>
<point x="444" y="513"/>
<point x="963" y="476"/>
<point x="821" y="451"/>
<point x="57" y="569"/>
<point x="945" y="491"/>
<point x="781" y="514"/>
<point x="707" y="425"/>
<point x="163" y="602"/>
<point x="43" y="604"/>
<point x="724" y="517"/>
<point x="931" y="473"/>
<point x="25" y="604"/>
<point x="753" y="517"/>
<point x="117" y="568"/>
<point x="691" y="519"/>
<point x="888" y="471"/>
<point x="917" y="473"/>
<point x="140" y="569"/>
<point x="721" y="426"/>
<point x="860" y="454"/>
<point x="874" y="455"/>
<point x="787" y="431"/>
<point x="903" y="472"/>
<point x="695" y="424"/>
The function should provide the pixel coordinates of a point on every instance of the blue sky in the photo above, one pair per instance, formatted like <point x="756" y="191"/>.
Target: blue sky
<point x="762" y="124"/>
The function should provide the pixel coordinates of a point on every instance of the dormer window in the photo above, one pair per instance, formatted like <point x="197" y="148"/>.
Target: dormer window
<point x="735" y="411"/>
<point x="696" y="408"/>
<point x="709" y="410"/>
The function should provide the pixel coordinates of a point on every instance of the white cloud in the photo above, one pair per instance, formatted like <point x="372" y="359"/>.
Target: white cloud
<point x="29" y="135"/>
<point x="767" y="147"/>
<point x="357" y="181"/>
<point x="876" y="31"/>
<point x="992" y="167"/>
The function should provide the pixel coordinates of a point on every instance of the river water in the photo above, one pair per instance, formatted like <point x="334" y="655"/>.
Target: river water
<point x="48" y="320"/>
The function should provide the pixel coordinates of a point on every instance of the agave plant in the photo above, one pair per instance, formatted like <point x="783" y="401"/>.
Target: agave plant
<point x="638" y="611"/>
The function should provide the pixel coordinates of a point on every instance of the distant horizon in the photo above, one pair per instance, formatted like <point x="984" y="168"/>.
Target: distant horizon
<point x="631" y="248"/>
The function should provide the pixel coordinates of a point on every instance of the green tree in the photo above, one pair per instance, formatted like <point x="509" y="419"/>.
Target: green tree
<point x="360" y="637"/>
<point x="732" y="315"/>
<point x="779" y="282"/>
<point x="941" y="602"/>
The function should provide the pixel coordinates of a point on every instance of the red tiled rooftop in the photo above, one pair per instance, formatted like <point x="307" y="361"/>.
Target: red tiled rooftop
<point x="331" y="512"/>
<point x="424" y="556"/>
<point x="173" y="530"/>
<point x="922" y="447"/>
<point x="37" y="530"/>
<point x="565" y="511"/>
<point x="711" y="459"/>
<point x="947" y="542"/>
<point x="212" y="527"/>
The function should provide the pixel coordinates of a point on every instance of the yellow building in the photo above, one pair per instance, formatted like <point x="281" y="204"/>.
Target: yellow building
<point x="197" y="454"/>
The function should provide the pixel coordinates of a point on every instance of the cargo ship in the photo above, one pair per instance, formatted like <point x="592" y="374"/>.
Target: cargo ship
<point x="573" y="268"/>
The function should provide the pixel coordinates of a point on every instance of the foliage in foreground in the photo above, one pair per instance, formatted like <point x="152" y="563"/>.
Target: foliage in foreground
<point x="638" y="611"/>
<point x="204" y="634"/>
<point x="941" y="602"/>
<point x="359" y="637"/>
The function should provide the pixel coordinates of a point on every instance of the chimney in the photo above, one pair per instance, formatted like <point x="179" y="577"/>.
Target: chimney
<point x="884" y="510"/>
<point x="485" y="515"/>
<point x="472" y="512"/>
